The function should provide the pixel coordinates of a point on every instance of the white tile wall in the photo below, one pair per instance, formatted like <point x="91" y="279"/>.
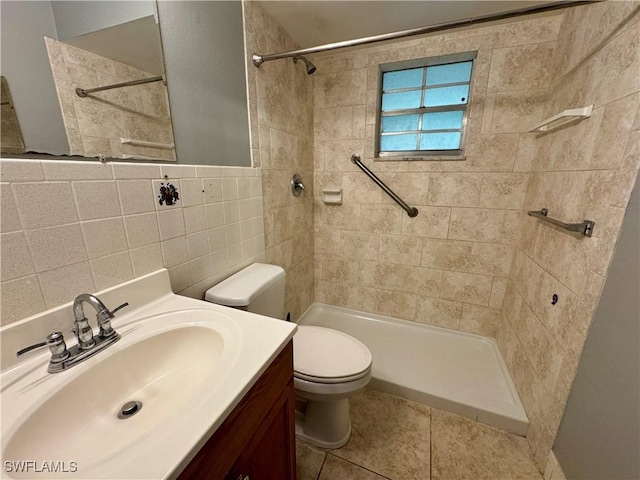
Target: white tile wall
<point x="74" y="227"/>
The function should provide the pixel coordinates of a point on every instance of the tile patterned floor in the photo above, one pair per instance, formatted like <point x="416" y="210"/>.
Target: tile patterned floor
<point x="396" y="439"/>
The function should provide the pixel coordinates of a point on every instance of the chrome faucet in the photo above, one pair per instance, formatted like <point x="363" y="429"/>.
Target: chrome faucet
<point x="88" y="345"/>
<point x="81" y="327"/>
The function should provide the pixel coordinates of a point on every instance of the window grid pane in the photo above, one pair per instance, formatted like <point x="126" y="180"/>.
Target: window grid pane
<point x="403" y="79"/>
<point x="400" y="123"/>
<point x="451" y="73"/>
<point x="401" y="100"/>
<point x="416" y="91"/>
<point x="443" y="120"/>
<point x="437" y="97"/>
<point x="440" y="141"/>
<point x="399" y="143"/>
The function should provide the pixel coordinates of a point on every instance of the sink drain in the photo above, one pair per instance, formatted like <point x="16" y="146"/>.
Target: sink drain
<point x="129" y="409"/>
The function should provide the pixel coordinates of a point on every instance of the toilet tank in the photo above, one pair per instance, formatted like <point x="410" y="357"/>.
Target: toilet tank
<point x="259" y="288"/>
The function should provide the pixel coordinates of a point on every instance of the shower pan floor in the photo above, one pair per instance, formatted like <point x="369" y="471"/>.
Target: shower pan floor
<point x="454" y="371"/>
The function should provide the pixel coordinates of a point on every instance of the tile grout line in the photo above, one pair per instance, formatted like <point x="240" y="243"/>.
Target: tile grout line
<point x="324" y="460"/>
<point x="358" y="465"/>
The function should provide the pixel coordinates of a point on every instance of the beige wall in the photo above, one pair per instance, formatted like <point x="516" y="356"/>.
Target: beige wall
<point x="281" y="112"/>
<point x="584" y="171"/>
<point x="95" y="124"/>
<point x="74" y="227"/>
<point x="449" y="265"/>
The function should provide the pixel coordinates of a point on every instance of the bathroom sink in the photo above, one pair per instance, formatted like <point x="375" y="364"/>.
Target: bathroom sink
<point x="163" y="371"/>
<point x="187" y="367"/>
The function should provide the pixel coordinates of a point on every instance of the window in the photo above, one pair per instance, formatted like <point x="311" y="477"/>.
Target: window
<point x="423" y="107"/>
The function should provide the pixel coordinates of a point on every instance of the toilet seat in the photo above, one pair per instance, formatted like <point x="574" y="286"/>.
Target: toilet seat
<point x="323" y="355"/>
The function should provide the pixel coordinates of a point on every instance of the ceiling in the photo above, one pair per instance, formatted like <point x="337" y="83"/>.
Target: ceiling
<point x="312" y="23"/>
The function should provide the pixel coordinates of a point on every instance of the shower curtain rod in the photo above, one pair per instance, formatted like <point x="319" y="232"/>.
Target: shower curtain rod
<point x="83" y="92"/>
<point x="260" y="59"/>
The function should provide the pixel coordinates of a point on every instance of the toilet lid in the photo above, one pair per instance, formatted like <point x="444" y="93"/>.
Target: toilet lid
<point x="324" y="354"/>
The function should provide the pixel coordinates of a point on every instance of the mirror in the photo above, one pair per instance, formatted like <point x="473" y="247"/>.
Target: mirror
<point x="52" y="48"/>
<point x="204" y="60"/>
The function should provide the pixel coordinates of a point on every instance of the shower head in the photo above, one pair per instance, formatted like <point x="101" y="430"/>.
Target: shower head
<point x="310" y="66"/>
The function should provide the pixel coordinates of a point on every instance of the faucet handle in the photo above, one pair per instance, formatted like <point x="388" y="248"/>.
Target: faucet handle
<point x="57" y="346"/>
<point x="119" y="307"/>
<point x="105" y="322"/>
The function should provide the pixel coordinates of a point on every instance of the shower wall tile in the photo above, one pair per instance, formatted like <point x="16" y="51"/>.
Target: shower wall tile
<point x="439" y="312"/>
<point x="86" y="231"/>
<point x="454" y="189"/>
<point x="476" y="224"/>
<point x="452" y="255"/>
<point x="518" y="111"/>
<point x="520" y="68"/>
<point x="432" y="222"/>
<point x="465" y="287"/>
<point x="282" y="120"/>
<point x="583" y="171"/>
<point x="456" y="255"/>
<point x="479" y="320"/>
<point x="532" y="32"/>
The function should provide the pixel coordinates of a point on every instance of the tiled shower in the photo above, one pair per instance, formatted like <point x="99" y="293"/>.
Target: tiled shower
<point x="472" y="260"/>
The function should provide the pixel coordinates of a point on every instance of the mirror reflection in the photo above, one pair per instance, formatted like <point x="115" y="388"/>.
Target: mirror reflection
<point x="87" y="45"/>
<point x="11" y="135"/>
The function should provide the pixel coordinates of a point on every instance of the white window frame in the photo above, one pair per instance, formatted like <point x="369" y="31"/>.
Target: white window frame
<point x="424" y="154"/>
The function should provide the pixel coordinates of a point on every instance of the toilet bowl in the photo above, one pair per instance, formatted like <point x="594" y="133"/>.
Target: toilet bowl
<point x="329" y="366"/>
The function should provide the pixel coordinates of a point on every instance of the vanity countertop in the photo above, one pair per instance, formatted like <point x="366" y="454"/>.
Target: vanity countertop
<point x="165" y="356"/>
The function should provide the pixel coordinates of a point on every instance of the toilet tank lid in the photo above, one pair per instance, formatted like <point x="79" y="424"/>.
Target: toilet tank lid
<point x="241" y="288"/>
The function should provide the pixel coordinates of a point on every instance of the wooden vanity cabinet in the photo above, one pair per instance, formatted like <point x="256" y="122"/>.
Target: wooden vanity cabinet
<point x="257" y="440"/>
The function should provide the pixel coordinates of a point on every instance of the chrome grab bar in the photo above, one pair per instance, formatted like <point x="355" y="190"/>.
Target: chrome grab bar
<point x="585" y="228"/>
<point x="411" y="211"/>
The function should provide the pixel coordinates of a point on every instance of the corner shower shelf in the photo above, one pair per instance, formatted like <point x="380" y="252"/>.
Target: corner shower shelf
<point x="563" y="118"/>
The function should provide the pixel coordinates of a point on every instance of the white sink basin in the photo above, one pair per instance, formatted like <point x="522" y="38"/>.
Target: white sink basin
<point x="163" y="371"/>
<point x="187" y="366"/>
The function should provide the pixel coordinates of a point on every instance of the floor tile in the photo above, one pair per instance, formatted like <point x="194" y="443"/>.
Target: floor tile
<point x="337" y="469"/>
<point x="462" y="449"/>
<point x="390" y="436"/>
<point x="309" y="460"/>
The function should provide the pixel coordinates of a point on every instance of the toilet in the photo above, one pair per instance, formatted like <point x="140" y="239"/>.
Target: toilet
<point x="329" y="365"/>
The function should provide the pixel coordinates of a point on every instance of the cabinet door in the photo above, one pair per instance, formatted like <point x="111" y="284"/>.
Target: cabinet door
<point x="257" y="439"/>
<point x="271" y="454"/>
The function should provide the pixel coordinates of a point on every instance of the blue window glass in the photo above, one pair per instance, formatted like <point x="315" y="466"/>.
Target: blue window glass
<point x="437" y="97"/>
<point x="400" y="123"/>
<point x="398" y="143"/>
<point x="440" y="141"/>
<point x="432" y="101"/>
<point x="442" y="120"/>
<point x="401" y="100"/>
<point x="451" y="73"/>
<point x="402" y="79"/>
